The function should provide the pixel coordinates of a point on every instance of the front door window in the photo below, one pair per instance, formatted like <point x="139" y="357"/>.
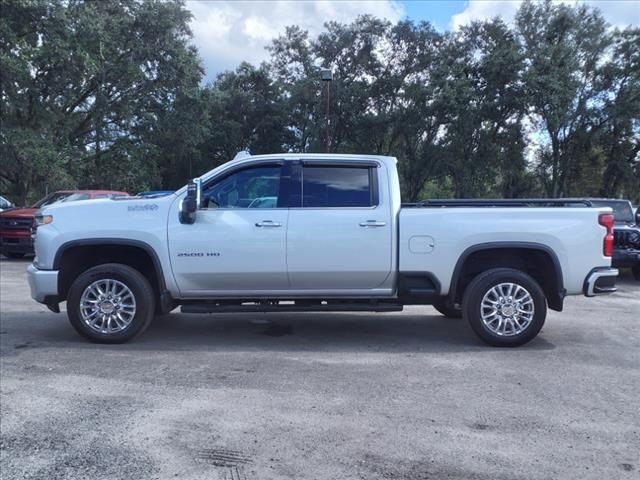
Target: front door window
<point x="256" y="187"/>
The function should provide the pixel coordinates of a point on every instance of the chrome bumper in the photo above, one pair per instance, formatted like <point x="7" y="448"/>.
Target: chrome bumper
<point x="600" y="281"/>
<point x="43" y="283"/>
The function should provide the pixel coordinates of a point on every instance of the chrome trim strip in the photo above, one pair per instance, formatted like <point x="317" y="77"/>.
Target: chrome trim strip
<point x="287" y="294"/>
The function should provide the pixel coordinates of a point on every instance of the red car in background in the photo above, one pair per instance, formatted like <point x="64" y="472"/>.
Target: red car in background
<point x="16" y="223"/>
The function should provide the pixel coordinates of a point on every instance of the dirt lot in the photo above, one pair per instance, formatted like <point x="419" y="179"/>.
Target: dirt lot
<point x="320" y="396"/>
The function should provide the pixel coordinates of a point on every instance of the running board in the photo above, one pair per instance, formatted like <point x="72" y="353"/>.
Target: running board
<point x="264" y="308"/>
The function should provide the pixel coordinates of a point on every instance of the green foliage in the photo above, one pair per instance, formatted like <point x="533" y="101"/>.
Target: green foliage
<point x="83" y="87"/>
<point x="108" y="94"/>
<point x="246" y="113"/>
<point x="582" y="84"/>
<point x="459" y="110"/>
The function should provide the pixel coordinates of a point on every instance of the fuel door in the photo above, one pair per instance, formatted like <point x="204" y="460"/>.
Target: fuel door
<point x="421" y="244"/>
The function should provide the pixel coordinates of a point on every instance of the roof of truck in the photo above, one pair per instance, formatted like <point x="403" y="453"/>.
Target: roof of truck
<point x="332" y="156"/>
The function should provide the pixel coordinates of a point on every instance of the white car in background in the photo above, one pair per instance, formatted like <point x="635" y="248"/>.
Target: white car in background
<point x="5" y="204"/>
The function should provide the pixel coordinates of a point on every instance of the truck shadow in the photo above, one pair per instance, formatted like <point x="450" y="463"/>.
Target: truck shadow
<point x="289" y="332"/>
<point x="626" y="281"/>
<point x="315" y="332"/>
<point x="277" y="332"/>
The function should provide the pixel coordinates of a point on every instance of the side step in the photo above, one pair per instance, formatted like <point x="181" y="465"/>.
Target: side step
<point x="290" y="307"/>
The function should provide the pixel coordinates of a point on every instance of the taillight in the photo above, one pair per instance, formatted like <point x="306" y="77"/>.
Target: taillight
<point x="606" y="220"/>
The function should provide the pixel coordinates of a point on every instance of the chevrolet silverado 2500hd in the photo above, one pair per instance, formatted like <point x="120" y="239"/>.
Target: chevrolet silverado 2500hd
<point x="311" y="232"/>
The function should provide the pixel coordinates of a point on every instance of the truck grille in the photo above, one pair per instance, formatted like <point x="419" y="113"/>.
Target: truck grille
<point x="627" y="238"/>
<point x="15" y="223"/>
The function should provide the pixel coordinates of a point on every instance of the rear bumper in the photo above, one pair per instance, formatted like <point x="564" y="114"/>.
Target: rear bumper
<point x="43" y="284"/>
<point x="600" y="281"/>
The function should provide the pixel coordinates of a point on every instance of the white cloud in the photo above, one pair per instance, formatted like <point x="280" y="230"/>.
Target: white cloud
<point x="228" y="32"/>
<point x="483" y="10"/>
<point x="619" y="13"/>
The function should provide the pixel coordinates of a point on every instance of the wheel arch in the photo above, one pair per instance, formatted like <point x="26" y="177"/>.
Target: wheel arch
<point x="87" y="253"/>
<point x="513" y="255"/>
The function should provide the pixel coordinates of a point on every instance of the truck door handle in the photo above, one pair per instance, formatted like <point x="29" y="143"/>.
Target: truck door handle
<point x="372" y="223"/>
<point x="268" y="224"/>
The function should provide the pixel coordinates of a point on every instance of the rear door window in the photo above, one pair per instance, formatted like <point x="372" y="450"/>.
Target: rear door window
<point x="335" y="186"/>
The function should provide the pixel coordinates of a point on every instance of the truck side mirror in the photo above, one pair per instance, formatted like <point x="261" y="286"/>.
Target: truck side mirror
<point x="638" y="216"/>
<point x="189" y="205"/>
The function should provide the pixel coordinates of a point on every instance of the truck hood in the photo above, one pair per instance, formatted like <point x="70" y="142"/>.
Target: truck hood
<point x="140" y="221"/>
<point x="118" y="207"/>
<point x="19" y="212"/>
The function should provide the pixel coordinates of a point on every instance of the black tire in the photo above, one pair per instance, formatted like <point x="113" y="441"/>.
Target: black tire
<point x="448" y="311"/>
<point x="14" y="255"/>
<point x="636" y="272"/>
<point x="137" y="284"/>
<point x="482" y="284"/>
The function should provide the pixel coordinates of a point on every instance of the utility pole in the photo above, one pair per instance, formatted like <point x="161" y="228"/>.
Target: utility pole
<point x="327" y="76"/>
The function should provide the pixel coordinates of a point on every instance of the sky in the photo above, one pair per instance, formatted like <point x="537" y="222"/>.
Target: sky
<point x="227" y="32"/>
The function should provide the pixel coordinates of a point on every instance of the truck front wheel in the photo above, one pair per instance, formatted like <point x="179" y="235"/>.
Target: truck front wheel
<point x="110" y="303"/>
<point x="505" y="307"/>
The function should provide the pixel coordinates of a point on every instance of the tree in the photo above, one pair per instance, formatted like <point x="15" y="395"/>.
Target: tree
<point x="177" y="138"/>
<point x="421" y="115"/>
<point x="483" y="100"/>
<point x="380" y="100"/>
<point x="82" y="85"/>
<point x="619" y="141"/>
<point x="108" y="94"/>
<point x="293" y="68"/>
<point x="565" y="48"/>
<point x="246" y="113"/>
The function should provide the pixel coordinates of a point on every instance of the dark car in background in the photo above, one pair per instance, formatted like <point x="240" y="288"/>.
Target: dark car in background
<point x="16" y="223"/>
<point x="626" y="231"/>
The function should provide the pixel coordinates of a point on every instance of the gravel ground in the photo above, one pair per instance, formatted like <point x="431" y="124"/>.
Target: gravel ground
<point x="410" y="395"/>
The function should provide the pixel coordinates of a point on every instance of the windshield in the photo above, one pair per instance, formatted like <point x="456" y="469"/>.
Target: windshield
<point x="622" y="211"/>
<point x="54" y="197"/>
<point x="74" y="197"/>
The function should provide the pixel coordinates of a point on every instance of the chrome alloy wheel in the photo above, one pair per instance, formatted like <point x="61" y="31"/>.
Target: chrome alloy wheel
<point x="507" y="309"/>
<point x="107" y="306"/>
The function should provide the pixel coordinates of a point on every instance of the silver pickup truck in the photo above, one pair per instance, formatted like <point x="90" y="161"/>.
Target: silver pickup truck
<point x="314" y="232"/>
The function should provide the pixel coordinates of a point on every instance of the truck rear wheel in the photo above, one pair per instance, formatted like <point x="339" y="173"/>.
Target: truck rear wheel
<point x="110" y="303"/>
<point x="636" y="272"/>
<point x="505" y="307"/>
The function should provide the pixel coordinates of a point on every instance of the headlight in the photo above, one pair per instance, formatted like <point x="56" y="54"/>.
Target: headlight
<point x="43" y="220"/>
